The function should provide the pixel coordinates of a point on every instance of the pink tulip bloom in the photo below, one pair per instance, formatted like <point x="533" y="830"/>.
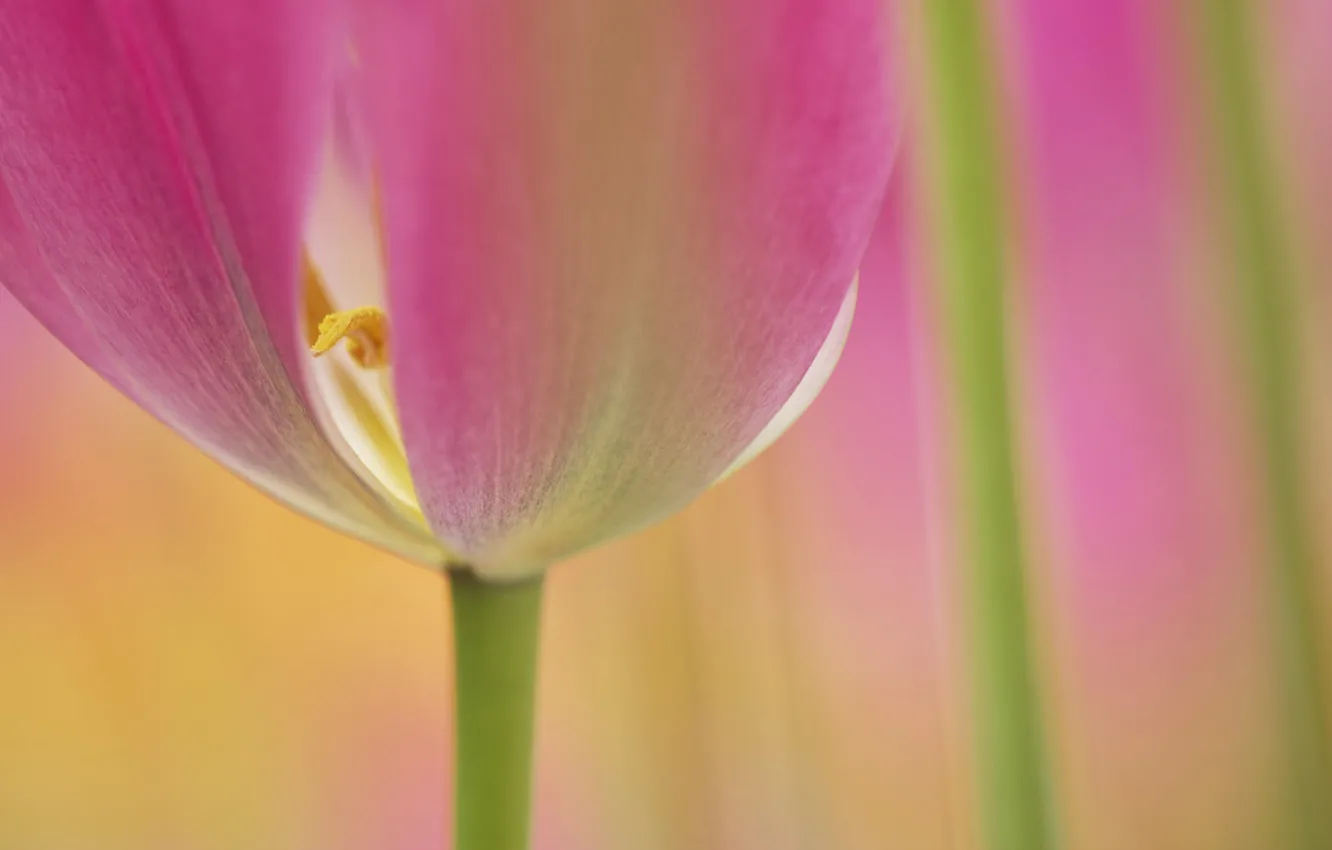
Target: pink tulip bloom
<point x="572" y="261"/>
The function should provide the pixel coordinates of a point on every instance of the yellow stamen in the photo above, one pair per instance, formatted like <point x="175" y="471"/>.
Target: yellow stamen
<point x="366" y="331"/>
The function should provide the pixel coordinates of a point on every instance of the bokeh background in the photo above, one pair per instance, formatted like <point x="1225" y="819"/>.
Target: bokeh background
<point x="184" y="664"/>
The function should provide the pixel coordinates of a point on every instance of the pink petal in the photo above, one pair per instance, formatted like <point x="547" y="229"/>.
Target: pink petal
<point x="155" y="159"/>
<point x="618" y="233"/>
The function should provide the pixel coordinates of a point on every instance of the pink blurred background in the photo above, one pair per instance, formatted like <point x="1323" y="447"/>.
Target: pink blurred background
<point x="184" y="664"/>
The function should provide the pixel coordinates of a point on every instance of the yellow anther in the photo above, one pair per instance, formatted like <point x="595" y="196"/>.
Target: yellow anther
<point x="366" y="331"/>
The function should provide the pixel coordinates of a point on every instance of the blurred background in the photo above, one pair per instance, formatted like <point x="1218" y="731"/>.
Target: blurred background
<point x="184" y="664"/>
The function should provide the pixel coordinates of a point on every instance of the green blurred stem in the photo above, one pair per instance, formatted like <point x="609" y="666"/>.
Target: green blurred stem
<point x="964" y="143"/>
<point x="496" y="633"/>
<point x="1265" y="272"/>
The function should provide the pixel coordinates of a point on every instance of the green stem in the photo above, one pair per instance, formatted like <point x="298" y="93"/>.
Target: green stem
<point x="1265" y="271"/>
<point x="496" y="634"/>
<point x="964" y="143"/>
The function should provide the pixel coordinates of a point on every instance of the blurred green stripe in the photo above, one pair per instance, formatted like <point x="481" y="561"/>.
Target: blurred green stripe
<point x="1267" y="300"/>
<point x="968" y="198"/>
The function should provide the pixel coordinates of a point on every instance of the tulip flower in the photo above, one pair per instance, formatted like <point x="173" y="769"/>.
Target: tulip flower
<point x="567" y="263"/>
<point x="622" y="243"/>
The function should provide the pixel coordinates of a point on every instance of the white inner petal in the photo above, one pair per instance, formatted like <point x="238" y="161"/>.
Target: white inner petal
<point x="809" y="387"/>
<point x="342" y="236"/>
<point x="342" y="243"/>
<point x="359" y="410"/>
